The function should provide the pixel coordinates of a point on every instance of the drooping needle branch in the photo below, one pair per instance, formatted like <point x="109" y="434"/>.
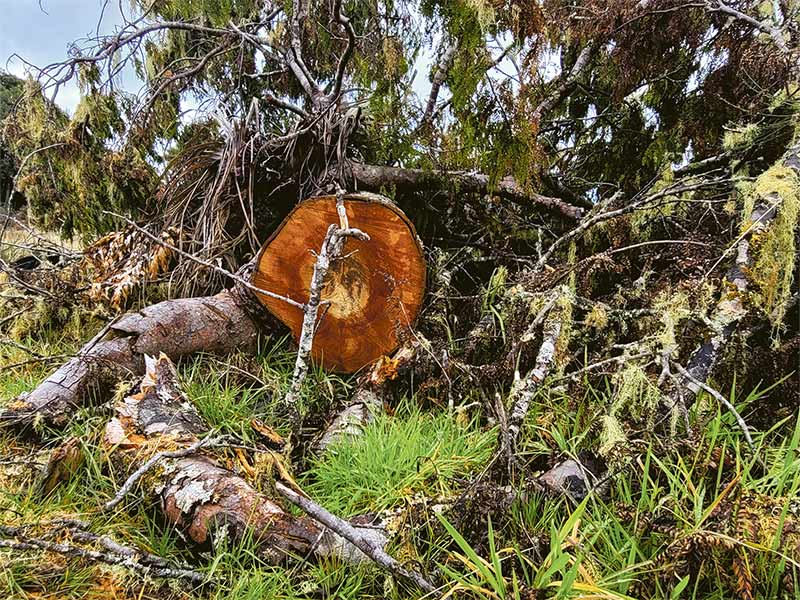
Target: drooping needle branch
<point x="207" y="264"/>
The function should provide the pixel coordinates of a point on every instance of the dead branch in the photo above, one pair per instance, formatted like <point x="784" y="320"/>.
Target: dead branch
<point x="524" y="390"/>
<point x="731" y="308"/>
<point x="560" y="91"/>
<point x="441" y="69"/>
<point x="374" y="177"/>
<point x="209" y="265"/>
<point x="775" y="33"/>
<point x="721" y="399"/>
<point x="605" y="213"/>
<point x="332" y="247"/>
<point x="132" y="558"/>
<point x="294" y="58"/>
<point x="354" y="536"/>
<point x="342" y="19"/>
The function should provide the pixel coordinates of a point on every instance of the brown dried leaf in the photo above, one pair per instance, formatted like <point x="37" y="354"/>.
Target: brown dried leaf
<point x="268" y="433"/>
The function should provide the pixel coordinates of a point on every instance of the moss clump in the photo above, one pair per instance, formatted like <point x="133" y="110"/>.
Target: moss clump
<point x="739" y="137"/>
<point x="597" y="317"/>
<point x="774" y="249"/>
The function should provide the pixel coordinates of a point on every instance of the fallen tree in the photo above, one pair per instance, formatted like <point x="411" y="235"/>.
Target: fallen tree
<point x="608" y="247"/>
<point x="349" y="310"/>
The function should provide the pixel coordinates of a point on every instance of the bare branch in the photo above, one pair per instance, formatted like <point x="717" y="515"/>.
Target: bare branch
<point x="342" y="19"/>
<point x="207" y="264"/>
<point x="559" y="93"/>
<point x="677" y="188"/>
<point x="294" y="58"/>
<point x="132" y="558"/>
<point x="442" y="68"/>
<point x="525" y="389"/>
<point x="354" y="536"/>
<point x="374" y="177"/>
<point x="331" y="250"/>
<point x="721" y="399"/>
<point x="773" y="32"/>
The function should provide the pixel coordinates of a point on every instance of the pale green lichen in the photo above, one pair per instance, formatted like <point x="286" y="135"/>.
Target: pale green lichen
<point x="563" y="311"/>
<point x="637" y="396"/>
<point x="673" y="308"/>
<point x="484" y="13"/>
<point x="774" y="251"/>
<point x="612" y="435"/>
<point x="738" y="137"/>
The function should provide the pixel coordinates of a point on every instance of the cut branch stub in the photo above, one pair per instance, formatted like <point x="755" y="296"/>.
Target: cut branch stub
<point x="372" y="294"/>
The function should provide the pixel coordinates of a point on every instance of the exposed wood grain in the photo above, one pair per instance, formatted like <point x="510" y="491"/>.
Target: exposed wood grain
<point x="373" y="293"/>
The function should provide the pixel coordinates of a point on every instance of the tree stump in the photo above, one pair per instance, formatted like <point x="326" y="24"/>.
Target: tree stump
<point x="372" y="294"/>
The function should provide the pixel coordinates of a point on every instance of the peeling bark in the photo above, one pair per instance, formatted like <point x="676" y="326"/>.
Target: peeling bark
<point x="218" y="324"/>
<point x="350" y="422"/>
<point x="197" y="494"/>
<point x="524" y="390"/>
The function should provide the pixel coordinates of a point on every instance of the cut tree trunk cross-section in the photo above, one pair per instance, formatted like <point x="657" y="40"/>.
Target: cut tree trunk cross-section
<point x="372" y="293"/>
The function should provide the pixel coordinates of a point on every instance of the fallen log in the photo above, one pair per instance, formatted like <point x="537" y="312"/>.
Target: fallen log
<point x="367" y="301"/>
<point x="196" y="493"/>
<point x="217" y="324"/>
<point x="208" y="502"/>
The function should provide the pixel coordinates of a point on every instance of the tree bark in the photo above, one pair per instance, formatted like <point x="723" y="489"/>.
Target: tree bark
<point x="217" y="324"/>
<point x="373" y="177"/>
<point x="205" y="500"/>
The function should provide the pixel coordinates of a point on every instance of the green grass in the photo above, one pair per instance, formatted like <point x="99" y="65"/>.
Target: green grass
<point x="397" y="457"/>
<point x="229" y="392"/>
<point x="546" y="546"/>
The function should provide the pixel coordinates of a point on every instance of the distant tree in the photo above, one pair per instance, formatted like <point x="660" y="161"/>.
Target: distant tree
<point x="10" y="90"/>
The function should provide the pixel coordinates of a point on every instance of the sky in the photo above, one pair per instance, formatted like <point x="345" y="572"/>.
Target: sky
<point x="41" y="31"/>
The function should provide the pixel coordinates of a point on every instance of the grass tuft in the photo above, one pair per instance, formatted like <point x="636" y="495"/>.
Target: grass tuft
<point x="396" y="457"/>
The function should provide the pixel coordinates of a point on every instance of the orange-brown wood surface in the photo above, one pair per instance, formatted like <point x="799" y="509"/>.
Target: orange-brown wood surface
<point x="374" y="292"/>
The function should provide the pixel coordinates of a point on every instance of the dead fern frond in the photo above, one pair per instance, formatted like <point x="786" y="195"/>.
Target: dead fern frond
<point x="743" y="575"/>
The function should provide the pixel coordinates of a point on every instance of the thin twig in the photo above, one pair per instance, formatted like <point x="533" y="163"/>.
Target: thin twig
<point x="208" y="264"/>
<point x="352" y="535"/>
<point x="606" y="215"/>
<point x="722" y="400"/>
<point x="121" y="555"/>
